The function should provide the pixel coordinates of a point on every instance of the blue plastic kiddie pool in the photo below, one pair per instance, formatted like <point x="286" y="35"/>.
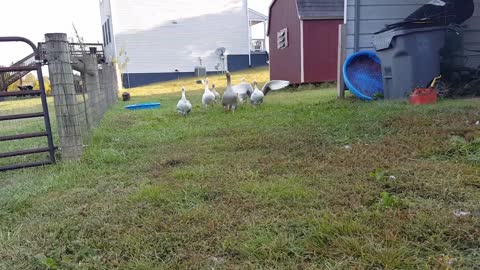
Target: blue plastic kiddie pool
<point x="143" y="106"/>
<point x="363" y="75"/>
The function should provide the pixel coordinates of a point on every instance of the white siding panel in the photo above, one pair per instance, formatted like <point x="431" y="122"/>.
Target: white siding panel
<point x="161" y="36"/>
<point x="375" y="14"/>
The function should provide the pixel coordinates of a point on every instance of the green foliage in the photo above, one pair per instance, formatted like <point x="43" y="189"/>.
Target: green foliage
<point x="389" y="201"/>
<point x="378" y="96"/>
<point x="14" y="86"/>
<point x="379" y="175"/>
<point x="29" y="79"/>
<point x="122" y="60"/>
<point x="459" y="148"/>
<point x="46" y="263"/>
<point x="48" y="87"/>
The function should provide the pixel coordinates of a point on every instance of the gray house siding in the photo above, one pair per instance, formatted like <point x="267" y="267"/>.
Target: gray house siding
<point x="375" y="14"/>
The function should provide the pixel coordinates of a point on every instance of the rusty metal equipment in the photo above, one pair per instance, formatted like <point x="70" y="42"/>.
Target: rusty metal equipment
<point x="15" y="71"/>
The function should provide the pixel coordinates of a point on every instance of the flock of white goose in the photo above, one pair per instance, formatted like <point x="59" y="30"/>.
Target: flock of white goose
<point x="232" y="96"/>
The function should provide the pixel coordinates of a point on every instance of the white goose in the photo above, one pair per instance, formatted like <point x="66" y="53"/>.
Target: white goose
<point x="257" y="95"/>
<point x="217" y="95"/>
<point x="208" y="97"/>
<point x="184" y="107"/>
<point x="229" y="98"/>
<point x="244" y="90"/>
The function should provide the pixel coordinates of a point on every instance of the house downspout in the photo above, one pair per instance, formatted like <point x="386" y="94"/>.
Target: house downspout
<point x="357" y="26"/>
<point x="249" y="36"/>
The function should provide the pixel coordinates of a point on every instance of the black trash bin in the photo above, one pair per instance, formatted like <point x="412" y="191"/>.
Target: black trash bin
<point x="410" y="58"/>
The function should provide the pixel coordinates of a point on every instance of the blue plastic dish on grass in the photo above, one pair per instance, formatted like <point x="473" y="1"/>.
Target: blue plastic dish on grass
<point x="143" y="106"/>
<point x="363" y="75"/>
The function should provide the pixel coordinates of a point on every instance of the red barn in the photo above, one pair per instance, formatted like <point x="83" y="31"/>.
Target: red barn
<point x="304" y="40"/>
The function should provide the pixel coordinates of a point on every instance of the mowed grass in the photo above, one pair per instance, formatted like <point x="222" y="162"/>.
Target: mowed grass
<point x="304" y="181"/>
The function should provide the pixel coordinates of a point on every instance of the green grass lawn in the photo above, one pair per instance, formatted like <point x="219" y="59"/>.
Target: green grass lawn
<point x="269" y="187"/>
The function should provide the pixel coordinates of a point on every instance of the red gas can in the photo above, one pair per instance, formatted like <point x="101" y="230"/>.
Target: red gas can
<point x="423" y="96"/>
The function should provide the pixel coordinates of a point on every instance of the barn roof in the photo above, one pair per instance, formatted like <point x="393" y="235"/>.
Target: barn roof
<point x="316" y="9"/>
<point x="320" y="9"/>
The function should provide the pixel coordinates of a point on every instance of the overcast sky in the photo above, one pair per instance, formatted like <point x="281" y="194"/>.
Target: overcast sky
<point x="33" y="18"/>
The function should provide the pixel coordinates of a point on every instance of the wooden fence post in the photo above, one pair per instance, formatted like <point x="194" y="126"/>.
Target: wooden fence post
<point x="106" y="81"/>
<point x="112" y="83"/>
<point x="67" y="107"/>
<point x="93" y="88"/>
<point x="101" y="78"/>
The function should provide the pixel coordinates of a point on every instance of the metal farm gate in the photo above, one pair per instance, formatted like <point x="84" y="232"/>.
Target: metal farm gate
<point x="10" y="75"/>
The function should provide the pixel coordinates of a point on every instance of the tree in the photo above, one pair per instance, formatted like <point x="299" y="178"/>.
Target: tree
<point x="3" y="81"/>
<point x="28" y="79"/>
<point x="48" y="87"/>
<point x="121" y="61"/>
<point x="14" y="86"/>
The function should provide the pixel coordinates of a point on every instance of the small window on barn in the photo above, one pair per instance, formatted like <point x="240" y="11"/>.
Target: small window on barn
<point x="282" y="39"/>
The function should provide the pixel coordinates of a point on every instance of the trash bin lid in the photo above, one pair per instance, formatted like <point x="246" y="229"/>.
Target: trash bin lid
<point x="383" y="41"/>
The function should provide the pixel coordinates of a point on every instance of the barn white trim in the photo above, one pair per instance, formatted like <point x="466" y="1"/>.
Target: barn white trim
<point x="302" y="53"/>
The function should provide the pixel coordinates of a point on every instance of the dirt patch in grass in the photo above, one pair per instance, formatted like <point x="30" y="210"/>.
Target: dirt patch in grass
<point x="124" y="120"/>
<point x="166" y="164"/>
<point x="175" y="163"/>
